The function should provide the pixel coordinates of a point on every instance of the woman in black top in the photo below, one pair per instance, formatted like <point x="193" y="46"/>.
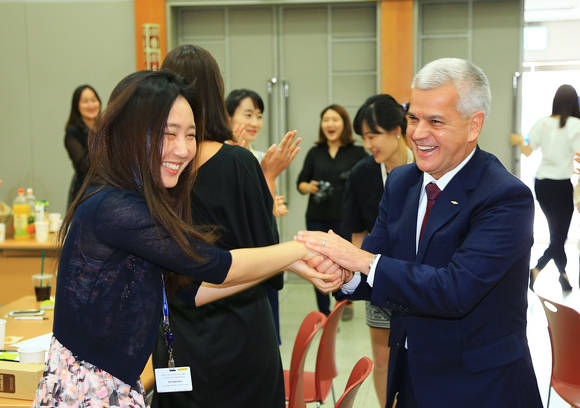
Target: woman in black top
<point x="126" y="241"/>
<point x="324" y="174"/>
<point x="381" y="123"/>
<point x="85" y="107"/>
<point x="231" y="344"/>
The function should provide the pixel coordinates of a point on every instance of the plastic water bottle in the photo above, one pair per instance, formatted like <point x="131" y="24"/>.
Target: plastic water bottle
<point x="31" y="200"/>
<point x="21" y="211"/>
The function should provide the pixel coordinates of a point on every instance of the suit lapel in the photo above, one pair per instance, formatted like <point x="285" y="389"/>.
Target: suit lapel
<point x="452" y="199"/>
<point x="409" y="214"/>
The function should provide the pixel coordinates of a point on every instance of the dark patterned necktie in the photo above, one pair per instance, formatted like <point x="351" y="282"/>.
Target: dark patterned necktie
<point x="432" y="194"/>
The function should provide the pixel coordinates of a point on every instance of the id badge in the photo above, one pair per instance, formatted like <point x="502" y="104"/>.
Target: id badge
<point x="173" y="379"/>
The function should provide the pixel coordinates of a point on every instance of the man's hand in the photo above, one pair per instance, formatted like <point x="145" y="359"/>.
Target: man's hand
<point x="337" y="249"/>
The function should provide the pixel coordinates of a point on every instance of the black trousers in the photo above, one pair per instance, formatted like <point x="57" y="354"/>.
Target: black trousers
<point x="556" y="201"/>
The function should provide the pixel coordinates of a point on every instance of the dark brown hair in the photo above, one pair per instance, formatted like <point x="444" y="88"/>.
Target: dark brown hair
<point x="380" y="110"/>
<point x="346" y="135"/>
<point x="199" y="69"/>
<point x="74" y="117"/>
<point x="235" y="98"/>
<point x="565" y="104"/>
<point x="126" y="150"/>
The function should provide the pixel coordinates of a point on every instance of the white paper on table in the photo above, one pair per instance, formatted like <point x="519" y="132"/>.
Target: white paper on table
<point x="41" y="342"/>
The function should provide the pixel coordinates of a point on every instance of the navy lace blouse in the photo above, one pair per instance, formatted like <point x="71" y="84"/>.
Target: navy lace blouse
<point x="109" y="289"/>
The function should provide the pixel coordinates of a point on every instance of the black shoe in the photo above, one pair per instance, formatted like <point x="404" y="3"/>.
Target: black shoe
<point x="563" y="279"/>
<point x="347" y="313"/>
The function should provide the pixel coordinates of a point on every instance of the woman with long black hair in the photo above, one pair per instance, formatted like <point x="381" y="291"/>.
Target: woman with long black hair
<point x="558" y="137"/>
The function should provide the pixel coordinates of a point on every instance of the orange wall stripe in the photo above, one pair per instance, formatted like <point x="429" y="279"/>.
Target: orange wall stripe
<point x="397" y="48"/>
<point x="149" y="12"/>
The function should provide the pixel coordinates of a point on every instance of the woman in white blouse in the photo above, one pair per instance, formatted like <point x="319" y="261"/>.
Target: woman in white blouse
<point x="558" y="137"/>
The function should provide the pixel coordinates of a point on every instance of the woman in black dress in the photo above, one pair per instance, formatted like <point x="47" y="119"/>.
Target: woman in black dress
<point x="85" y="107"/>
<point x="324" y="174"/>
<point x="381" y="123"/>
<point x="230" y="344"/>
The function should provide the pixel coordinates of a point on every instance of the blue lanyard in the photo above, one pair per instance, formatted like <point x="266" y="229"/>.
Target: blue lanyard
<point x="167" y="334"/>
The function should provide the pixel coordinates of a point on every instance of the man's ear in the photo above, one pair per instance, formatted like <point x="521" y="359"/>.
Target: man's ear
<point x="475" y="126"/>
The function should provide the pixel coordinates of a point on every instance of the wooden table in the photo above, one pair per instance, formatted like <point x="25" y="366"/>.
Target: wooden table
<point x="19" y="260"/>
<point x="32" y="328"/>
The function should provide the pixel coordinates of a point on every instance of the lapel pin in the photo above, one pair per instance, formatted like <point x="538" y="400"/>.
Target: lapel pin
<point x="454" y="202"/>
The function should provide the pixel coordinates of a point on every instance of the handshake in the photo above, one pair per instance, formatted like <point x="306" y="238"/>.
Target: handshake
<point x="331" y="261"/>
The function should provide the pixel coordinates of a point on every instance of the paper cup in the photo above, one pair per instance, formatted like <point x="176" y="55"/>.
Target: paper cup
<point x="55" y="221"/>
<point x="41" y="231"/>
<point x="2" y="232"/>
<point x="31" y="355"/>
<point x="2" y="333"/>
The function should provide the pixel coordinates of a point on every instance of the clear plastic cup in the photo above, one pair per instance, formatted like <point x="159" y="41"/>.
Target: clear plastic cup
<point x="42" y="284"/>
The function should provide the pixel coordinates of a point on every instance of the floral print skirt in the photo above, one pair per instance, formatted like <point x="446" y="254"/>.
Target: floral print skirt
<point x="68" y="382"/>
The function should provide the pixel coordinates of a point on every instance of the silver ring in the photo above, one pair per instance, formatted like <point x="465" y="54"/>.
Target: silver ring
<point x="323" y="242"/>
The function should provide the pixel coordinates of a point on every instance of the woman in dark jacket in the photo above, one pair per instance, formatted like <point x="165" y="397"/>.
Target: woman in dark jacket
<point x="324" y="174"/>
<point x="85" y="107"/>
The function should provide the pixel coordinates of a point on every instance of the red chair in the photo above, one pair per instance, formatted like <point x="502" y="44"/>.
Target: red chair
<point x="294" y="380"/>
<point x="318" y="384"/>
<point x="564" y="329"/>
<point x="359" y="373"/>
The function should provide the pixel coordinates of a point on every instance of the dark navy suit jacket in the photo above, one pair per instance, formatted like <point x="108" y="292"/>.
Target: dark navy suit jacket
<point x="459" y="302"/>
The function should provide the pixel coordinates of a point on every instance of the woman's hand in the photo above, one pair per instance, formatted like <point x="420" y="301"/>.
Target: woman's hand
<point x="238" y="136"/>
<point x="323" y="265"/>
<point x="309" y="188"/>
<point x="280" y="208"/>
<point x="278" y="158"/>
<point x="338" y="249"/>
<point x="329" y="281"/>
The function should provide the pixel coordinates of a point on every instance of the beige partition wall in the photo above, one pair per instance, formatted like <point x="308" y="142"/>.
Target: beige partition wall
<point x="48" y="48"/>
<point x="488" y="33"/>
<point x="298" y="57"/>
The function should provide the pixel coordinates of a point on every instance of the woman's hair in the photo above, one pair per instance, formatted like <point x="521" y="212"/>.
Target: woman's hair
<point x="236" y="97"/>
<point x="346" y="135"/>
<point x="565" y="104"/>
<point x="74" y="117"/>
<point x="126" y="148"/>
<point x="380" y="110"/>
<point x="200" y="69"/>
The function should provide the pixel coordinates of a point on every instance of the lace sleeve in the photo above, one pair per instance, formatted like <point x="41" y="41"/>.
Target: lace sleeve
<point x="123" y="221"/>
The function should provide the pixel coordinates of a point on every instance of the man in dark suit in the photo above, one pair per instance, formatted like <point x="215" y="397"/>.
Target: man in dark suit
<point x="449" y="255"/>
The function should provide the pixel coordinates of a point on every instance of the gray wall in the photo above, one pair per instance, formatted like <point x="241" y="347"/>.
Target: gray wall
<point x="48" y="48"/>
